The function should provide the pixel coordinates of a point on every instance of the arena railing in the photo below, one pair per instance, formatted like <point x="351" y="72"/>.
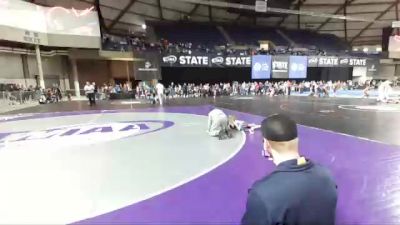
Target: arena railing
<point x="18" y="97"/>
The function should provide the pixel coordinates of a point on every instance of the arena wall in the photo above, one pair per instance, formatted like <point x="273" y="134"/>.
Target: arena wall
<point x="93" y="71"/>
<point x="11" y="69"/>
<point x="22" y="69"/>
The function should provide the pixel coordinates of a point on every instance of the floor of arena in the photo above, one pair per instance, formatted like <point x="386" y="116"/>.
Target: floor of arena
<point x="129" y="162"/>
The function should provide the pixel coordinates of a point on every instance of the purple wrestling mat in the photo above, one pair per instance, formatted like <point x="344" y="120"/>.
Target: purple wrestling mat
<point x="366" y="173"/>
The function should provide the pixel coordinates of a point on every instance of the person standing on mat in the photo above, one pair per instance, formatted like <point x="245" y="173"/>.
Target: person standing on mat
<point x="89" y="91"/>
<point x="160" y="92"/>
<point x="298" y="192"/>
<point x="384" y="91"/>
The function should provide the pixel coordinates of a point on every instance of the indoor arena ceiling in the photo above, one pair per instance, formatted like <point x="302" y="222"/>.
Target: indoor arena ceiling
<point x="129" y="15"/>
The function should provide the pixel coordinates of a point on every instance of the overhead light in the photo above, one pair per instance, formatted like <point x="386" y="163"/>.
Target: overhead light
<point x="378" y="49"/>
<point x="355" y="49"/>
<point x="144" y="27"/>
<point x="365" y="50"/>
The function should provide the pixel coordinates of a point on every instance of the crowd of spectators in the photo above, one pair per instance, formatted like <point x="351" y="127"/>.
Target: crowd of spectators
<point x="124" y="44"/>
<point x="106" y="90"/>
<point x="19" y="94"/>
<point x="314" y="88"/>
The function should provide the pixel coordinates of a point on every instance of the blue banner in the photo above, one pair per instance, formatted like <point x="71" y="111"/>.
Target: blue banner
<point x="261" y="67"/>
<point x="298" y="67"/>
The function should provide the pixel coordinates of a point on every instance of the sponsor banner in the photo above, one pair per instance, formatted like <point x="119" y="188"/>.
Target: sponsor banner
<point x="280" y="67"/>
<point x="373" y="67"/>
<point x="312" y="61"/>
<point x="333" y="61"/>
<point x="261" y="67"/>
<point x="185" y="60"/>
<point x="352" y="62"/>
<point x="261" y="6"/>
<point x="357" y="62"/>
<point x="237" y="61"/>
<point x="169" y="60"/>
<point x="394" y="47"/>
<point x="193" y="60"/>
<point x="298" y="67"/>
<point x="344" y="61"/>
<point x="149" y="68"/>
<point x="328" y="61"/>
<point x="396" y="24"/>
<point x="176" y="60"/>
<point x="359" y="71"/>
<point x="217" y="61"/>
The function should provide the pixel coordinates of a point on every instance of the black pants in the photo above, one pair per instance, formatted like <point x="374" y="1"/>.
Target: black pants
<point x="92" y="99"/>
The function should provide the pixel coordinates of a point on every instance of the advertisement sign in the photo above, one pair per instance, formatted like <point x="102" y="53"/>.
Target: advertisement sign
<point x="373" y="67"/>
<point x="394" y="47"/>
<point x="185" y="60"/>
<point x="217" y="61"/>
<point x="169" y="60"/>
<point x="261" y="6"/>
<point x="261" y="67"/>
<point x="334" y="61"/>
<point x="149" y="68"/>
<point x="328" y="61"/>
<point x="312" y="61"/>
<point x="205" y="60"/>
<point x="396" y="24"/>
<point x="359" y="71"/>
<point x="237" y="61"/>
<point x="193" y="60"/>
<point x="280" y="67"/>
<point x="298" y="67"/>
<point x="357" y="62"/>
<point x="344" y="61"/>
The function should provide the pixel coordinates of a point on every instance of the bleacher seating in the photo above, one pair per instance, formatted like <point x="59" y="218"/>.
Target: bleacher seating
<point x="251" y="35"/>
<point x="197" y="34"/>
<point x="321" y="41"/>
<point x="205" y="37"/>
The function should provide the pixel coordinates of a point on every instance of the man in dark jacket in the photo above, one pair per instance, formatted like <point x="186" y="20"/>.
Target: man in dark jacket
<point x="298" y="192"/>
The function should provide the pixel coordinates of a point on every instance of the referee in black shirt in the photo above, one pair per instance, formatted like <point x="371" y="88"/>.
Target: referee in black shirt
<point x="298" y="192"/>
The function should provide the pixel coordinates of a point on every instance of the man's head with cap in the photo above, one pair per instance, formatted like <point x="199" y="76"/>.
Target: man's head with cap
<point x="280" y="138"/>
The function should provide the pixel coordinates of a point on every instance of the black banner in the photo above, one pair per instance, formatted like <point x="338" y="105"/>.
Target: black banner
<point x="373" y="67"/>
<point x="205" y="60"/>
<point x="357" y="62"/>
<point x="238" y="61"/>
<point x="280" y="64"/>
<point x="149" y="68"/>
<point x="178" y="60"/>
<point x="312" y="61"/>
<point x="217" y="61"/>
<point x="344" y="61"/>
<point x="334" y="61"/>
<point x="280" y="67"/>
<point x="328" y="61"/>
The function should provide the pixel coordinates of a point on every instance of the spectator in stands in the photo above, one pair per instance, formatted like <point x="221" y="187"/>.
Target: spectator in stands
<point x="118" y="88"/>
